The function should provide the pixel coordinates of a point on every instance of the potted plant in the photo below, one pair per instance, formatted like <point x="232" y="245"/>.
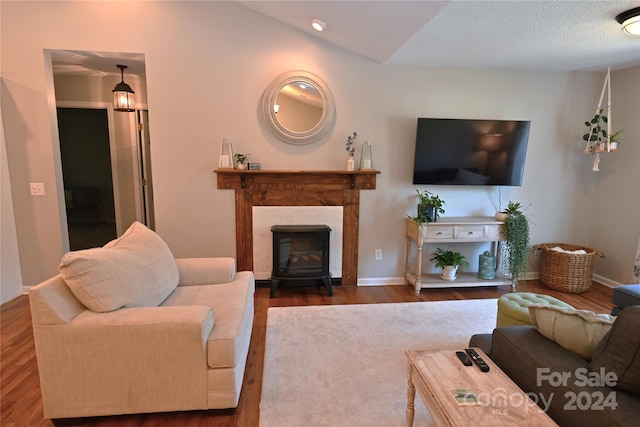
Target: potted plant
<point x="614" y="140"/>
<point x="351" y="150"/>
<point x="449" y="261"/>
<point x="516" y="228"/>
<point x="240" y="159"/>
<point x="430" y="206"/>
<point x="597" y="135"/>
<point x="512" y="208"/>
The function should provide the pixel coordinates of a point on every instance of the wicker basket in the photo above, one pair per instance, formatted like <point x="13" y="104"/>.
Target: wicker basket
<point x="566" y="272"/>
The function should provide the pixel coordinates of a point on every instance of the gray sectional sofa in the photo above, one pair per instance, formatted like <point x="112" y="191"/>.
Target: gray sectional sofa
<point x="604" y="391"/>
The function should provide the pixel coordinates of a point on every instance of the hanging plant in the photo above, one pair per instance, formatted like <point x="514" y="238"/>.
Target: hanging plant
<point x="516" y="228"/>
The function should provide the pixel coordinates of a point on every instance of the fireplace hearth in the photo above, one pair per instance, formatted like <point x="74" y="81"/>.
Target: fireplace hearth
<point x="300" y="255"/>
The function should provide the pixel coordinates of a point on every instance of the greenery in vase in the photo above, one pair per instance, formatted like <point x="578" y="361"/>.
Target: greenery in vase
<point x="516" y="228"/>
<point x="240" y="158"/>
<point x="445" y="258"/>
<point x="351" y="139"/>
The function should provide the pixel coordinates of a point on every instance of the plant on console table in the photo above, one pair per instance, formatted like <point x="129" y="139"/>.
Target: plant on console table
<point x="516" y="228"/>
<point x="430" y="207"/>
<point x="449" y="261"/>
<point x="351" y="150"/>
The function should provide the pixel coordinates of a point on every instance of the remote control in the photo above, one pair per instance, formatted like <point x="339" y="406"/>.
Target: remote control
<point x="463" y="358"/>
<point x="476" y="358"/>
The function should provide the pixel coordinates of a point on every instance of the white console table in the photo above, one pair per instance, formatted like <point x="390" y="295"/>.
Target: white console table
<point x="451" y="230"/>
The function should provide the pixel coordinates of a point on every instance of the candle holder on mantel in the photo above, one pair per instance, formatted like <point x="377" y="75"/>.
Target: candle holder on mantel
<point x="366" y="157"/>
<point x="226" y="155"/>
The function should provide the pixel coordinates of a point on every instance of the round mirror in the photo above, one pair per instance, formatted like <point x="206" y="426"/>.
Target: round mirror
<point x="298" y="107"/>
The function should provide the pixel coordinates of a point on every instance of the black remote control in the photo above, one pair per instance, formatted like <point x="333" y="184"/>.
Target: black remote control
<point x="463" y="358"/>
<point x="476" y="358"/>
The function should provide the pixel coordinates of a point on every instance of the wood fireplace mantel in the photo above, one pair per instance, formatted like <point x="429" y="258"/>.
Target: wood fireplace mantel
<point x="298" y="188"/>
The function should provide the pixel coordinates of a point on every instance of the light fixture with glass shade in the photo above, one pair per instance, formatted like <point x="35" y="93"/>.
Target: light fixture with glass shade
<point x="123" y="94"/>
<point x="630" y="21"/>
<point x="318" y="24"/>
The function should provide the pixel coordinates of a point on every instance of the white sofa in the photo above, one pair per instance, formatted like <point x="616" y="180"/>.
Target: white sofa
<point x="127" y="328"/>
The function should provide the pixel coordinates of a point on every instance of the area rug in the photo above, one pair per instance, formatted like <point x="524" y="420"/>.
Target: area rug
<point x="344" y="365"/>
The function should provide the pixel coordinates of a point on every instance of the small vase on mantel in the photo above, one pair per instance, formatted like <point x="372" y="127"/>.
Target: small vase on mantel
<point x="351" y="164"/>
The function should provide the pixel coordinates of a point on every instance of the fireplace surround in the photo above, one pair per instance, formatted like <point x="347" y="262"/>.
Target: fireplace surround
<point x="298" y="188"/>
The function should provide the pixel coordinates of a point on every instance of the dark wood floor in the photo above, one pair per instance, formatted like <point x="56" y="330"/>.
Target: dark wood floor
<point x="21" y="404"/>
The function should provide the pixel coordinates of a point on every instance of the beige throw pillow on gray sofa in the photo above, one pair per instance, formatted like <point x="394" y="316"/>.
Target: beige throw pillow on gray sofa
<point x="135" y="270"/>
<point x="578" y="331"/>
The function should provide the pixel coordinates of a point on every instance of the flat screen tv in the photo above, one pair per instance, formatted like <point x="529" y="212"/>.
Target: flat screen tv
<point x="470" y="152"/>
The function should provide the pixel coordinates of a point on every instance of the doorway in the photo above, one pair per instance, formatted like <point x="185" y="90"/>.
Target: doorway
<point x="87" y="176"/>
<point x="105" y="180"/>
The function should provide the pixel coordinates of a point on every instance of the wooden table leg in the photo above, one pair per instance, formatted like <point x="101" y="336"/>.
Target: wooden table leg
<point x="418" y="270"/>
<point x="411" y="397"/>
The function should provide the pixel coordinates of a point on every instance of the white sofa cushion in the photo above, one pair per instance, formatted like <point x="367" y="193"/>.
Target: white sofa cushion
<point x="232" y="305"/>
<point x="135" y="270"/>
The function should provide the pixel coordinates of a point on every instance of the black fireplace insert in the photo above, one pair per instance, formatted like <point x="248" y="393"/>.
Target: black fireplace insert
<point x="300" y="254"/>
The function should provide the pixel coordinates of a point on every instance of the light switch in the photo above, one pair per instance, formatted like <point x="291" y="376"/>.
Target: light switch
<point x="36" y="188"/>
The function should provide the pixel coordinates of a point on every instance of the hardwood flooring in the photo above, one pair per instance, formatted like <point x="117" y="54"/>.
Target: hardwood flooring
<point x="21" y="403"/>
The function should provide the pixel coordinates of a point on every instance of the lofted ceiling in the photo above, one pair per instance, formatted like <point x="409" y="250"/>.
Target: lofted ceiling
<point x="563" y="35"/>
<point x="560" y="35"/>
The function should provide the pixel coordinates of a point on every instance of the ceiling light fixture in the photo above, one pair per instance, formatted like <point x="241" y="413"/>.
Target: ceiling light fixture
<point x="630" y="21"/>
<point x="123" y="94"/>
<point x="318" y="24"/>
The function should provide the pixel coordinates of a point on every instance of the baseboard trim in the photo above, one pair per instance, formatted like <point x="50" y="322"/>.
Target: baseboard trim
<point x="386" y="281"/>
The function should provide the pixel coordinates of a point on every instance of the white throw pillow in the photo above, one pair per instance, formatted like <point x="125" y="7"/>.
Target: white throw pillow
<point x="135" y="270"/>
<point x="578" y="331"/>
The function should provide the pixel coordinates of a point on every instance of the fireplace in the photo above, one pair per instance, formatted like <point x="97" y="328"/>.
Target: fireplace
<point x="300" y="254"/>
<point x="298" y="188"/>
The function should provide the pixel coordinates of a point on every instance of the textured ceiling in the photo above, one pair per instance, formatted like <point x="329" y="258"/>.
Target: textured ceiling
<point x="567" y="35"/>
<point x="540" y="35"/>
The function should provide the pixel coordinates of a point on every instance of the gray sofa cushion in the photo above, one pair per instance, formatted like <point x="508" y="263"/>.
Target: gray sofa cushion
<point x="619" y="351"/>
<point x="626" y="295"/>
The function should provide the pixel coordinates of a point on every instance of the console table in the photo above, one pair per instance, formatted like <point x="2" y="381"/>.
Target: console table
<point x="451" y="230"/>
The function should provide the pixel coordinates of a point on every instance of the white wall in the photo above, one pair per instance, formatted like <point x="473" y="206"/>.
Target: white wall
<point x="616" y="207"/>
<point x="10" y="276"/>
<point x="223" y="56"/>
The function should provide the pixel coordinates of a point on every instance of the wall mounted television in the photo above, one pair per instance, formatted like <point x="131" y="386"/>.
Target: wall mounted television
<point x="470" y="152"/>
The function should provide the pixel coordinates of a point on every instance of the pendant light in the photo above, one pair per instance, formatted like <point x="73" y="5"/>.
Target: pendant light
<point x="123" y="94"/>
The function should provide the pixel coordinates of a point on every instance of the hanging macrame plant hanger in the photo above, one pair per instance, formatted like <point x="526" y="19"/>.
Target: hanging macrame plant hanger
<point x="591" y="147"/>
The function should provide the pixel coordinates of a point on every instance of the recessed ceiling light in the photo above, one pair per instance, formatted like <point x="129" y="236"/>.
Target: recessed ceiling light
<point x="318" y="24"/>
<point x="630" y="21"/>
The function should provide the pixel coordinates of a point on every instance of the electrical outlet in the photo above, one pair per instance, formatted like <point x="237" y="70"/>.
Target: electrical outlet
<point x="36" y="188"/>
<point x="378" y="254"/>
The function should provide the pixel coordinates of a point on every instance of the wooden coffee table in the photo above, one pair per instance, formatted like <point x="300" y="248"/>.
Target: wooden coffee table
<point x="500" y="402"/>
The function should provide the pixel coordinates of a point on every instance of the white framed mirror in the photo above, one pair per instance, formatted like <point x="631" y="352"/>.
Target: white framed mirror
<point x="298" y="107"/>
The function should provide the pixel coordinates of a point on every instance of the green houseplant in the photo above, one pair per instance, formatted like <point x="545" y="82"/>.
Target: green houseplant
<point x="597" y="134"/>
<point x="449" y="261"/>
<point x="240" y="159"/>
<point x="430" y="206"/>
<point x="516" y="227"/>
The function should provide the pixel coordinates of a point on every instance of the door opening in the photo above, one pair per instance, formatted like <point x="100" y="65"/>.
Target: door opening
<point x="87" y="176"/>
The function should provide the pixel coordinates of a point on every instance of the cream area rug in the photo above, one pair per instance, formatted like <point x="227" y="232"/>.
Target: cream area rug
<point x="345" y="366"/>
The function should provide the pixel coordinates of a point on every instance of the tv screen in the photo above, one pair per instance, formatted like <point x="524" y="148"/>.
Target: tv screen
<point x="470" y="152"/>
